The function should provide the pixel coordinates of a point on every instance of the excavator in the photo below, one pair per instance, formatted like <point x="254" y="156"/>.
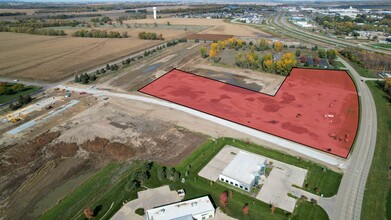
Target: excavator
<point x="12" y="118"/>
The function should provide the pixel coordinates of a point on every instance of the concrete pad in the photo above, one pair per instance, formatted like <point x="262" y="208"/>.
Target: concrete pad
<point x="147" y="199"/>
<point x="279" y="183"/>
<point x="275" y="187"/>
<point x="212" y="170"/>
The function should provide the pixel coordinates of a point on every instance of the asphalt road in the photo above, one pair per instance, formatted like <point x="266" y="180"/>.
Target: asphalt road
<point x="281" y="23"/>
<point x="347" y="203"/>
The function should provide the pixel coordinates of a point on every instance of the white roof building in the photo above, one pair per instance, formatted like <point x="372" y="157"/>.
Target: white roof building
<point x="243" y="170"/>
<point x="200" y="208"/>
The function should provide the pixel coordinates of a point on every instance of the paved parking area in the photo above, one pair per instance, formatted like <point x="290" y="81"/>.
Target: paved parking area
<point x="279" y="183"/>
<point x="147" y="199"/>
<point x="212" y="170"/>
<point x="275" y="187"/>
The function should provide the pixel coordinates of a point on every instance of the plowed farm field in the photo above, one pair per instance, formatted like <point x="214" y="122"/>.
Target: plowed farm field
<point x="51" y="58"/>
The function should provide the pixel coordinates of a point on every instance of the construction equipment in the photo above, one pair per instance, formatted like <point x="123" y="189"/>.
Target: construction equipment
<point x="14" y="119"/>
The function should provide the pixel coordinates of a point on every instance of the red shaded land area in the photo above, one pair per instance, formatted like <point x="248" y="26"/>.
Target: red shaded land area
<point x="317" y="108"/>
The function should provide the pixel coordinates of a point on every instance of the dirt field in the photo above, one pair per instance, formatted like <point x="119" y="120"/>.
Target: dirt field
<point x="209" y="37"/>
<point x="46" y="167"/>
<point x="55" y="58"/>
<point x="27" y="11"/>
<point x="219" y="26"/>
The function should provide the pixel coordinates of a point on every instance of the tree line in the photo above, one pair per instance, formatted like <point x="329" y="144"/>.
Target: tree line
<point x="150" y="36"/>
<point x="68" y="16"/>
<point x="33" y="23"/>
<point x="23" y="100"/>
<point x="367" y="59"/>
<point x="10" y="89"/>
<point x="347" y="25"/>
<point x="11" y="13"/>
<point x="251" y="59"/>
<point x="99" y="34"/>
<point x="31" y="30"/>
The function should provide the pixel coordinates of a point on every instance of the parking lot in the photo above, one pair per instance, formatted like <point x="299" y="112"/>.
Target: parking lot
<point x="147" y="199"/>
<point x="275" y="187"/>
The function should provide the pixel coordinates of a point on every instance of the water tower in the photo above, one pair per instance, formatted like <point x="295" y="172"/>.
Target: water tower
<point x="154" y="12"/>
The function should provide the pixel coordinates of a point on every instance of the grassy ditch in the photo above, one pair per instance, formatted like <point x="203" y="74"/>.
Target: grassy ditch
<point x="376" y="203"/>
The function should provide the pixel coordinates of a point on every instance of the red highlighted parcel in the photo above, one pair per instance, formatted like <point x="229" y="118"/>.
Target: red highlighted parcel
<point x="316" y="108"/>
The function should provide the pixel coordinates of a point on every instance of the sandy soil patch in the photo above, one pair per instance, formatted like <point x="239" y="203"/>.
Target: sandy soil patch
<point x="269" y="82"/>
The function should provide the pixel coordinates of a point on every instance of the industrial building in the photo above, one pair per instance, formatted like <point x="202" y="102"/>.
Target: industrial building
<point x="244" y="171"/>
<point x="198" y="209"/>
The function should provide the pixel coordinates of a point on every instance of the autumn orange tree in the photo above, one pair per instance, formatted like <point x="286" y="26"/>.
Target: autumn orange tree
<point x="88" y="213"/>
<point x="214" y="48"/>
<point x="287" y="62"/>
<point x="250" y="60"/>
<point x="278" y="46"/>
<point x="246" y="209"/>
<point x="223" y="198"/>
<point x="267" y="63"/>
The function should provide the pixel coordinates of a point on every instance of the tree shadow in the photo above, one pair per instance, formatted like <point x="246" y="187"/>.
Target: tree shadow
<point x="97" y="209"/>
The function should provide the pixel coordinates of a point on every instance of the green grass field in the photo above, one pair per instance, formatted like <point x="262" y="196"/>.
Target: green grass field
<point x="108" y="186"/>
<point x="362" y="71"/>
<point x="26" y="91"/>
<point x="98" y="192"/>
<point x="382" y="45"/>
<point x="377" y="204"/>
<point x="307" y="210"/>
<point x="339" y="64"/>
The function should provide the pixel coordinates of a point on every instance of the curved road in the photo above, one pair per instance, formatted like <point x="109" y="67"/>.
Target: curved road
<point x="346" y="205"/>
<point x="281" y="23"/>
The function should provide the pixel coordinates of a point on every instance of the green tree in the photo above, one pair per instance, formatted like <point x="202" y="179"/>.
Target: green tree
<point x="132" y="185"/>
<point x="161" y="173"/>
<point x="297" y="53"/>
<point x="322" y="53"/>
<point x="204" y="51"/>
<point x="83" y="79"/>
<point x="176" y="176"/>
<point x="3" y="90"/>
<point x="332" y="54"/>
<point x="77" y="79"/>
<point x="17" y="87"/>
<point x="140" y="211"/>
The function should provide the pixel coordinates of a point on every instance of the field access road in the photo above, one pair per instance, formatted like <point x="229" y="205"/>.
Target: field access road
<point x="346" y="205"/>
<point x="281" y="24"/>
<point x="286" y="144"/>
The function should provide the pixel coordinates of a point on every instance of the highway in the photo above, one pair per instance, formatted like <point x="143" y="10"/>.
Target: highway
<point x="346" y="205"/>
<point x="281" y="24"/>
